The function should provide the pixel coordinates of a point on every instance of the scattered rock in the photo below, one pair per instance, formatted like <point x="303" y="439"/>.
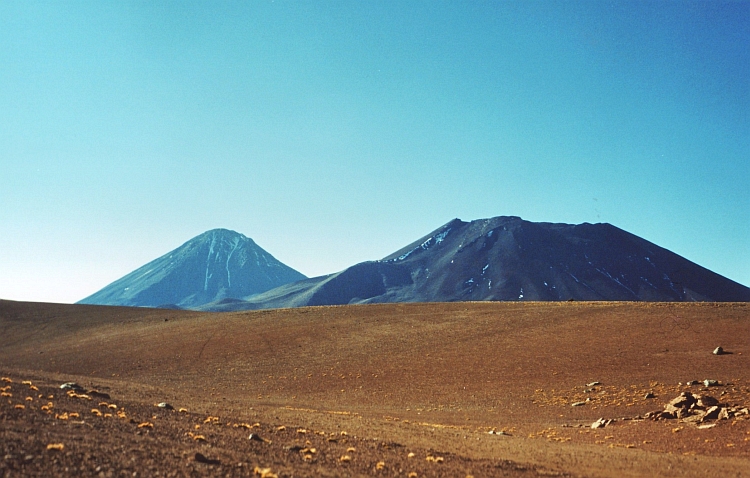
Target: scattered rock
<point x="711" y="383"/>
<point x="695" y="409"/>
<point x="256" y="437"/>
<point x="718" y="351"/>
<point x="165" y="406"/>
<point x="684" y="400"/>
<point x="577" y="404"/>
<point x="695" y="419"/>
<point x="649" y="395"/>
<point x="72" y="386"/>
<point x="501" y="432"/>
<point x="593" y="384"/>
<point x="601" y="423"/>
<point x="692" y="382"/>
<point x="706" y="401"/>
<point x="712" y="413"/>
<point x="201" y="458"/>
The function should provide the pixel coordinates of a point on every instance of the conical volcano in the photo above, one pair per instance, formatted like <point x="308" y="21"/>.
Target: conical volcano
<point x="217" y="265"/>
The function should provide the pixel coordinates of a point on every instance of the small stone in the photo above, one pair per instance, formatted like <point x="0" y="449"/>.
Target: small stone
<point x="706" y="401"/>
<point x="712" y="413"/>
<point x="692" y="382"/>
<point x="724" y="414"/>
<point x="201" y="458"/>
<point x="601" y="423"/>
<point x="593" y="384"/>
<point x="665" y="415"/>
<point x="165" y="406"/>
<point x="694" y="418"/>
<point x="577" y="404"/>
<point x="72" y="386"/>
<point x="711" y="383"/>
<point x="718" y="351"/>
<point x="256" y="437"/>
<point x="649" y="395"/>
<point x="685" y="400"/>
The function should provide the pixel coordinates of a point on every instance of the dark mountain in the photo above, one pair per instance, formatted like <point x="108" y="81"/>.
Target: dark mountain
<point x="509" y="259"/>
<point x="216" y="265"/>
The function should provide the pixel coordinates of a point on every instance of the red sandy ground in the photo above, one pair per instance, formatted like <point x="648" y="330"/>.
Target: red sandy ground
<point x="427" y="379"/>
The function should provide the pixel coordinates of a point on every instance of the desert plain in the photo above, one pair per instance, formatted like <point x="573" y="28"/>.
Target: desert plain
<point x="432" y="389"/>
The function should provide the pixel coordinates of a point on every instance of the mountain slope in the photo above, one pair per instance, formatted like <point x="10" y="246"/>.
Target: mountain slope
<point x="215" y="265"/>
<point x="507" y="258"/>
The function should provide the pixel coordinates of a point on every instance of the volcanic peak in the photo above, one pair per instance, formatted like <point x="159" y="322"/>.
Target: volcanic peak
<point x="212" y="266"/>
<point x="506" y="258"/>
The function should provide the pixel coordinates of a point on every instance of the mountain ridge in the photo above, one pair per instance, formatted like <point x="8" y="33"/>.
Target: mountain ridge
<point x="507" y="258"/>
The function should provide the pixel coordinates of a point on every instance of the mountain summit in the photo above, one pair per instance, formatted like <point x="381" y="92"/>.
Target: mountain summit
<point x="509" y="259"/>
<point x="216" y="265"/>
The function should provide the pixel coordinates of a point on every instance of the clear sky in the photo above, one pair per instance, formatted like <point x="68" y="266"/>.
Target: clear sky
<point x="337" y="132"/>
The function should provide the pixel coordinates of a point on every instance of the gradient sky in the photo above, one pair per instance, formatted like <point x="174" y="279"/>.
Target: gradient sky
<point x="337" y="132"/>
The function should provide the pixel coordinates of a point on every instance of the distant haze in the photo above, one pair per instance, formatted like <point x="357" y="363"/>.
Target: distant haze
<point x="335" y="133"/>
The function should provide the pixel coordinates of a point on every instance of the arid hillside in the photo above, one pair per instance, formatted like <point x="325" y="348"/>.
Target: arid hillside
<point x="489" y="388"/>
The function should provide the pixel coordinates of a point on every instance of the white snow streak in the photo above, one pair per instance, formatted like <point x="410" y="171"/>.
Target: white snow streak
<point x="234" y="247"/>
<point x="208" y="259"/>
<point x="607" y="274"/>
<point x="425" y="245"/>
<point x="145" y="273"/>
<point x="647" y="282"/>
<point x="439" y="238"/>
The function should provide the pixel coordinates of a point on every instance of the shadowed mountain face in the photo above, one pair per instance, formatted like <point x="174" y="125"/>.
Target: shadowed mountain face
<point x="509" y="259"/>
<point x="216" y="265"/>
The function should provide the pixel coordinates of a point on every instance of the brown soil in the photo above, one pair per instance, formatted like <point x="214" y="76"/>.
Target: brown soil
<point x="430" y="380"/>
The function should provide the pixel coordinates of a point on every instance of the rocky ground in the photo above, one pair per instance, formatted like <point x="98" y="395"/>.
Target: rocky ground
<point x="594" y="389"/>
<point x="49" y="431"/>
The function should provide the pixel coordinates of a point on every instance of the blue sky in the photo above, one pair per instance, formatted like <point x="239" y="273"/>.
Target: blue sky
<point x="337" y="132"/>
